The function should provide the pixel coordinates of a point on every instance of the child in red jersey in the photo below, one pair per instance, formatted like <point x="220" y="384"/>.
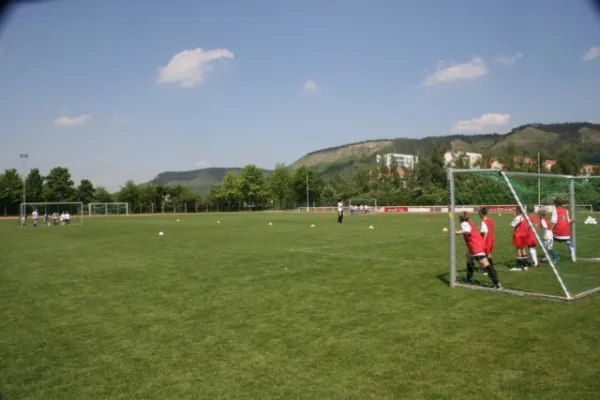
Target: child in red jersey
<point x="488" y="232"/>
<point x="561" y="226"/>
<point x="476" y="250"/>
<point x="521" y="240"/>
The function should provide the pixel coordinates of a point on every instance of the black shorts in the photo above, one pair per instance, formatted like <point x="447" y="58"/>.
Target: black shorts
<point x="561" y="240"/>
<point x="478" y="258"/>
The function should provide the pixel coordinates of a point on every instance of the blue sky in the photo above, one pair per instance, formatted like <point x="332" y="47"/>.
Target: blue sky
<point x="102" y="87"/>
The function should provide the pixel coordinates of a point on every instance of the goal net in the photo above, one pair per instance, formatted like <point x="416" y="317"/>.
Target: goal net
<point x="73" y="209"/>
<point x="108" y="209"/>
<point x="365" y="205"/>
<point x="566" y="270"/>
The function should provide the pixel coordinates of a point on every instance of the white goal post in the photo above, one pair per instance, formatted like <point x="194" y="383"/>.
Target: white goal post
<point x="366" y="202"/>
<point x="566" y="269"/>
<point x="108" y="209"/>
<point x="75" y="210"/>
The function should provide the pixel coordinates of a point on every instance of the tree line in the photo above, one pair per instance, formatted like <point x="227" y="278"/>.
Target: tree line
<point x="284" y="188"/>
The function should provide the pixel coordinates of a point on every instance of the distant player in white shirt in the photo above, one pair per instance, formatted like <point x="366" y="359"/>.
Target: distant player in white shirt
<point x="340" y="210"/>
<point x="34" y="218"/>
<point x="62" y="218"/>
<point x="46" y="219"/>
<point x="361" y="208"/>
<point x="23" y="221"/>
<point x="67" y="218"/>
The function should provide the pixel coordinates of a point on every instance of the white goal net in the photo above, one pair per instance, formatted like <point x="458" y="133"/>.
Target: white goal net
<point x="53" y="214"/>
<point x="108" y="209"/>
<point x="561" y="262"/>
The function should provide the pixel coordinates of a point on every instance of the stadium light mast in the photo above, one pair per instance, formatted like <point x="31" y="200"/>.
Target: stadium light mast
<point x="539" y="180"/>
<point x="23" y="158"/>
<point x="307" y="197"/>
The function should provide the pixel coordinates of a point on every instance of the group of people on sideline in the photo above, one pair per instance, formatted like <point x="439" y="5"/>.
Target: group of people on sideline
<point x="63" y="219"/>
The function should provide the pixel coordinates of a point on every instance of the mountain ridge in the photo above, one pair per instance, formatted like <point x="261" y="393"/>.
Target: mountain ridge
<point x="526" y="140"/>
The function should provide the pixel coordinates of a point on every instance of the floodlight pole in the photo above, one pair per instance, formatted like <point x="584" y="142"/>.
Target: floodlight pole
<point x="307" y="197"/>
<point x="539" y="181"/>
<point x="23" y="158"/>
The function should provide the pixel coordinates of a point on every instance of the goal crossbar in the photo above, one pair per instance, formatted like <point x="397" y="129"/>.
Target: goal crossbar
<point x="104" y="208"/>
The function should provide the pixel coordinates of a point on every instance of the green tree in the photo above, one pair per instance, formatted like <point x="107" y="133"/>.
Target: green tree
<point x="231" y="190"/>
<point x="509" y="156"/>
<point x="253" y="186"/>
<point x="147" y="197"/>
<point x="382" y="171"/>
<point x="59" y="187"/>
<point x="568" y="160"/>
<point x="315" y="185"/>
<point x="101" y="195"/>
<point x="86" y="192"/>
<point x="281" y="186"/>
<point x="163" y="196"/>
<point x="130" y="194"/>
<point x="437" y="166"/>
<point x="34" y="185"/>
<point x="11" y="191"/>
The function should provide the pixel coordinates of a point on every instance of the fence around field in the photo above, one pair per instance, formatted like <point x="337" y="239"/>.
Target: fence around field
<point x="503" y="208"/>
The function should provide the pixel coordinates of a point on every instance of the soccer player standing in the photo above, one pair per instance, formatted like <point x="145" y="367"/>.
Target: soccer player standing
<point x="488" y="233"/>
<point x="476" y="250"/>
<point x="340" y="210"/>
<point x="561" y="226"/>
<point x="520" y="240"/>
<point x="34" y="218"/>
<point x="531" y="242"/>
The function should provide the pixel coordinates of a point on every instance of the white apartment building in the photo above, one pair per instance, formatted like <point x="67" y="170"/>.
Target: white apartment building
<point x="474" y="158"/>
<point x="404" y="161"/>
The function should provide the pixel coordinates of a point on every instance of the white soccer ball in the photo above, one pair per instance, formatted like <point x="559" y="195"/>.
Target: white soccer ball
<point x="160" y="233"/>
<point x="177" y="220"/>
<point x="312" y="226"/>
<point x="270" y="223"/>
<point x="218" y="222"/>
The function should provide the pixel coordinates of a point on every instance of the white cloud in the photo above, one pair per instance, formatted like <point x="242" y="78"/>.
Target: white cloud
<point x="202" y="164"/>
<point x="484" y="123"/>
<point x="449" y="71"/>
<point x="310" y="86"/>
<point x="508" y="60"/>
<point x="121" y="120"/>
<point x="69" y="122"/>
<point x="189" y="67"/>
<point x="592" y="53"/>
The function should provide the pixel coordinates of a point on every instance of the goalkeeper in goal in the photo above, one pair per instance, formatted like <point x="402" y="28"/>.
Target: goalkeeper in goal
<point x="476" y="250"/>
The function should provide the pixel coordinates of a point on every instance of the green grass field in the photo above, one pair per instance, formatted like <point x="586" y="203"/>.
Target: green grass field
<point x="244" y="310"/>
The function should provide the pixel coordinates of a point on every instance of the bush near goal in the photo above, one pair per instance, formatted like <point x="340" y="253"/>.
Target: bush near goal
<point x="563" y="280"/>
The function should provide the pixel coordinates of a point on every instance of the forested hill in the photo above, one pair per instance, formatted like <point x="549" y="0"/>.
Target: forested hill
<point x="198" y="180"/>
<point x="525" y="140"/>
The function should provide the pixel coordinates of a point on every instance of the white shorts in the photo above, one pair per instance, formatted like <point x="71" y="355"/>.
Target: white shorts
<point x="549" y="243"/>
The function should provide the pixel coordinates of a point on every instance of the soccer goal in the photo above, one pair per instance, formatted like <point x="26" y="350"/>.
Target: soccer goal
<point x="365" y="202"/>
<point x="74" y="209"/>
<point x="108" y="209"/>
<point x="576" y="271"/>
